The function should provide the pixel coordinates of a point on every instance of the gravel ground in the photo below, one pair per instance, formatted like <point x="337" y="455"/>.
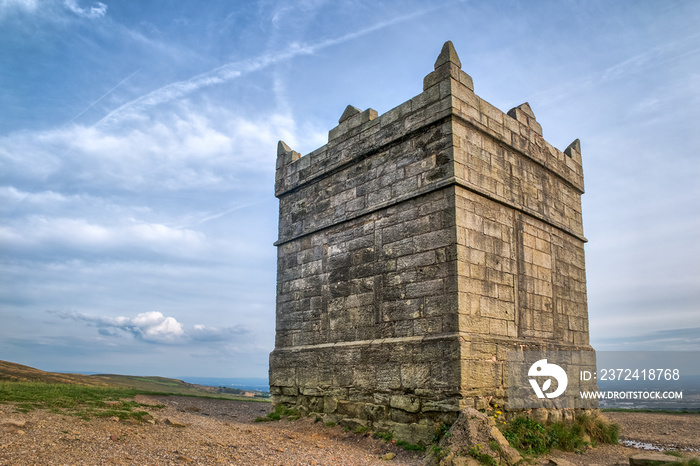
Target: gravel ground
<point x="223" y="432"/>
<point x="667" y="431"/>
<point x="673" y="431"/>
<point x="214" y="432"/>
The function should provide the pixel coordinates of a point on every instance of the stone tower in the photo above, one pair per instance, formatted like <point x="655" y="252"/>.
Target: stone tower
<point x="416" y="249"/>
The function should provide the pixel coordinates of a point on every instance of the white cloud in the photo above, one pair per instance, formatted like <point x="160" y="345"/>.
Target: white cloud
<point x="205" y="333"/>
<point x="9" y="196"/>
<point x="149" y="326"/>
<point x="186" y="146"/>
<point x="154" y="327"/>
<point x="27" y="5"/>
<point x="98" y="10"/>
<point x="190" y="147"/>
<point x="71" y="235"/>
<point x="52" y="10"/>
<point x="14" y="201"/>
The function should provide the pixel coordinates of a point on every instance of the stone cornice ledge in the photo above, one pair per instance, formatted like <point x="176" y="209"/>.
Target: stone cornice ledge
<point x="451" y="181"/>
<point x="460" y="336"/>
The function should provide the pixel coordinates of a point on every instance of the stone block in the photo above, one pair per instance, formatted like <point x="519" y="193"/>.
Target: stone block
<point x="292" y="391"/>
<point x="446" y="405"/>
<point x="349" y="409"/>
<point x="403" y="417"/>
<point x="330" y="404"/>
<point x="415" y="375"/>
<point x="406" y="403"/>
<point x="388" y="377"/>
<point x="352" y="424"/>
<point x="481" y="374"/>
<point x="652" y="458"/>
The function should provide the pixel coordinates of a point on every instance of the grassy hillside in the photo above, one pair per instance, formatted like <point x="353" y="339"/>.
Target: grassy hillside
<point x="12" y="372"/>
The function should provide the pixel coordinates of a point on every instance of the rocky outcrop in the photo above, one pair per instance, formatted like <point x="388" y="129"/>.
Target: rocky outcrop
<point x="473" y="434"/>
<point x="652" y="458"/>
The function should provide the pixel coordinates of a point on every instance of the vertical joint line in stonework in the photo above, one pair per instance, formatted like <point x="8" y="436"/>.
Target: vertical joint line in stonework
<point x="378" y="274"/>
<point x="556" y="329"/>
<point x="519" y="265"/>
<point x="325" y="290"/>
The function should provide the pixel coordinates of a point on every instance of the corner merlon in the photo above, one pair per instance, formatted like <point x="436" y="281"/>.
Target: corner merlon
<point x="574" y="149"/>
<point x="448" y="65"/>
<point x="282" y="148"/>
<point x="448" y="54"/>
<point x="285" y="155"/>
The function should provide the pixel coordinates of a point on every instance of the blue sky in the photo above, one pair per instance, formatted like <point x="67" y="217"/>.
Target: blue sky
<point x="138" y="142"/>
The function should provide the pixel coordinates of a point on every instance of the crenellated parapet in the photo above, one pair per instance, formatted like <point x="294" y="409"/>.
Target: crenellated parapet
<point x="491" y="152"/>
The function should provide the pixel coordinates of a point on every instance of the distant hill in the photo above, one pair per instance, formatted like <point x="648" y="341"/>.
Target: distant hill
<point x="18" y="373"/>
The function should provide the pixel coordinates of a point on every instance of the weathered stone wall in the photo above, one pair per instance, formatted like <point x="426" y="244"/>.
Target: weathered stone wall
<point x="415" y="250"/>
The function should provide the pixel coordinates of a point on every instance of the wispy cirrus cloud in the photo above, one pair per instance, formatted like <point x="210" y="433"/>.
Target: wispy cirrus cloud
<point x="103" y="96"/>
<point x="666" y="54"/>
<point x="52" y="9"/>
<point x="25" y="6"/>
<point x="98" y="10"/>
<point x="230" y="71"/>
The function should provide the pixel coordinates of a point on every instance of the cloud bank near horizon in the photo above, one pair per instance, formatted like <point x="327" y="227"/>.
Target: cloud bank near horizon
<point x="154" y="327"/>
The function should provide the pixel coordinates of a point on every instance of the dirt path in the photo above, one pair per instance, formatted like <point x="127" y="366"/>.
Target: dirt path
<point x="223" y="432"/>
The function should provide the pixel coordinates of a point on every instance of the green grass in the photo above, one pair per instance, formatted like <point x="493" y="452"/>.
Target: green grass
<point x="165" y="386"/>
<point x="76" y="400"/>
<point x="11" y="372"/>
<point x="410" y="446"/>
<point x="86" y="395"/>
<point x="360" y="430"/>
<point x="280" y="412"/>
<point x="533" y="438"/>
<point x="438" y="452"/>
<point x="384" y="435"/>
<point x="442" y="431"/>
<point x="388" y="437"/>
<point x="483" y="458"/>
<point x="599" y="430"/>
<point x="527" y="436"/>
